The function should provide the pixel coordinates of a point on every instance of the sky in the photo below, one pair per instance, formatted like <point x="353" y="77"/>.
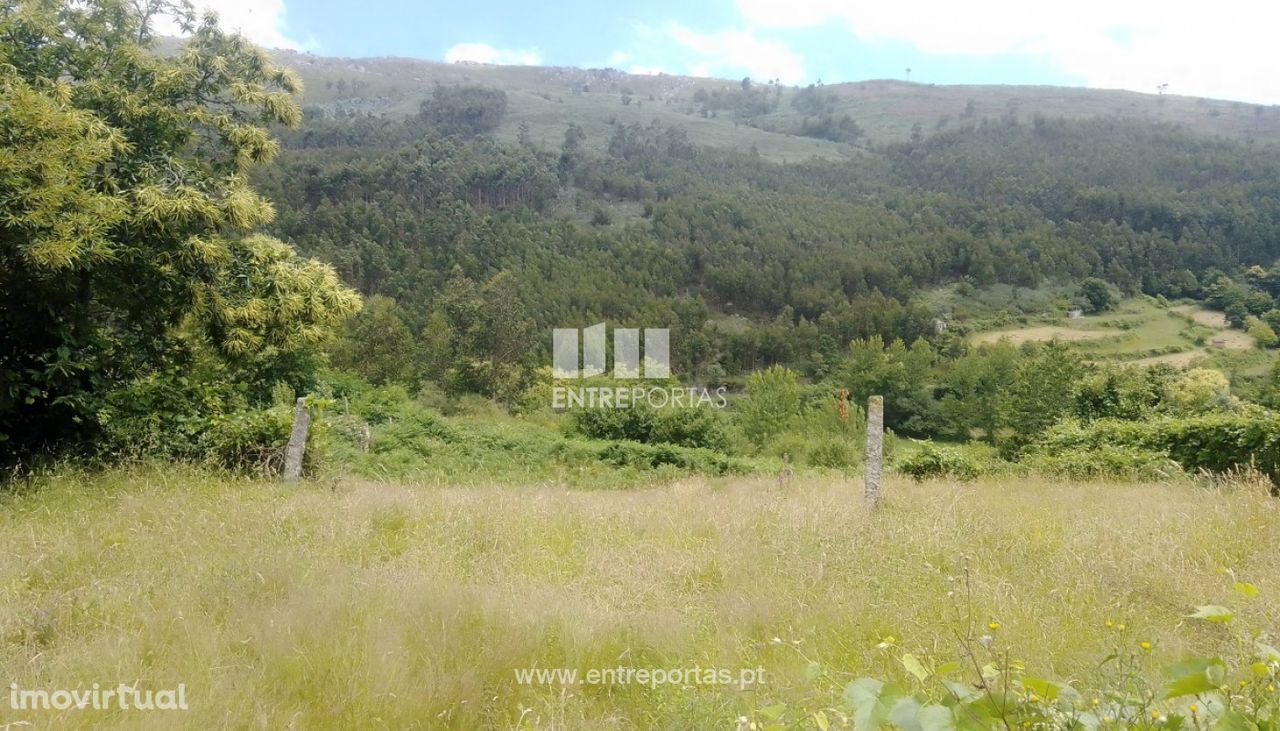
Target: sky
<point x="1220" y="49"/>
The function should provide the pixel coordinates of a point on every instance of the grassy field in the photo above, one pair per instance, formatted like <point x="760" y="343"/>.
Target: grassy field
<point x="1140" y="330"/>
<point x="369" y="605"/>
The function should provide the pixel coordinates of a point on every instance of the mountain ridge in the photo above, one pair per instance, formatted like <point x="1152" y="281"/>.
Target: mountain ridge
<point x="545" y="99"/>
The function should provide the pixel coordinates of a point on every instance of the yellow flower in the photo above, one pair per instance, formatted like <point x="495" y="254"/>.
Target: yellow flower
<point x="1144" y="645"/>
<point x="993" y="626"/>
<point x="1120" y="627"/>
<point x="1095" y="701"/>
<point x="1110" y="624"/>
<point x="1155" y="714"/>
<point x="1193" y="708"/>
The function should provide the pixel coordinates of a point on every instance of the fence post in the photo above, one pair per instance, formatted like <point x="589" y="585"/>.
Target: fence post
<point x="297" y="441"/>
<point x="875" y="450"/>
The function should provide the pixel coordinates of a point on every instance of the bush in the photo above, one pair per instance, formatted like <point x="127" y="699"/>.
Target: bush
<point x="1111" y="462"/>
<point x="163" y="415"/>
<point x="653" y="456"/>
<point x="415" y="430"/>
<point x="1217" y="443"/>
<point x="933" y="462"/>
<point x="380" y="405"/>
<point x="251" y="442"/>
<point x="771" y="403"/>
<point x="686" y="427"/>
<point x="832" y="454"/>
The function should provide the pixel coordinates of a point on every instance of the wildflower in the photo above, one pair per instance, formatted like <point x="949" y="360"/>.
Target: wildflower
<point x="1120" y="627"/>
<point x="1193" y="708"/>
<point x="1144" y="645"/>
<point x="1110" y="624"/>
<point x="993" y="626"/>
<point x="1094" y="701"/>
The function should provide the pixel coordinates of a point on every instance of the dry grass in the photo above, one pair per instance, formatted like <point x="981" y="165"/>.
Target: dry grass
<point x="1206" y="317"/>
<point x="377" y="606"/>
<point x="1044" y="333"/>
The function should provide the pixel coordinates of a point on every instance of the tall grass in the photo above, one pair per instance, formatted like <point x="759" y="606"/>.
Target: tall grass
<point x="366" y="605"/>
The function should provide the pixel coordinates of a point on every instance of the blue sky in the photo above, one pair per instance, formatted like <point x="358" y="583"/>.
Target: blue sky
<point x="1220" y="50"/>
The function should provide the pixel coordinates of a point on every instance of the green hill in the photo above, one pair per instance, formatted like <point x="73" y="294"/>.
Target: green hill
<point x="547" y="98"/>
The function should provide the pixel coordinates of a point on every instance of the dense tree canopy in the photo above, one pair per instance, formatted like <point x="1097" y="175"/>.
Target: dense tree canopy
<point x="126" y="209"/>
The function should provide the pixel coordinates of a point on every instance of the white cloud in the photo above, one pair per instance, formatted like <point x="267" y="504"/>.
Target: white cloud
<point x="261" y="21"/>
<point x="1221" y="49"/>
<point x="735" y="50"/>
<point x="618" y="58"/>
<point x="485" y="53"/>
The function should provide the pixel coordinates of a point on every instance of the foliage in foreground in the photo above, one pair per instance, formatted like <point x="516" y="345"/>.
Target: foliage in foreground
<point x="985" y="687"/>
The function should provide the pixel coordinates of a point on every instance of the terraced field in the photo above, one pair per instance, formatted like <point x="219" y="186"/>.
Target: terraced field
<point x="1141" y="330"/>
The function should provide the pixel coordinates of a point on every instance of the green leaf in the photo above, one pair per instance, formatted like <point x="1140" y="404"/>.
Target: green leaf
<point x="937" y="718"/>
<point x="947" y="668"/>
<point x="1212" y="613"/>
<point x="905" y="715"/>
<point x="813" y="671"/>
<point x="1046" y="689"/>
<point x="870" y="700"/>
<point x="915" y="667"/>
<point x="1268" y="653"/>
<point x="773" y="712"/>
<point x="963" y="692"/>
<point x="1194" y="677"/>
<point x="1247" y="589"/>
<point x="1234" y="721"/>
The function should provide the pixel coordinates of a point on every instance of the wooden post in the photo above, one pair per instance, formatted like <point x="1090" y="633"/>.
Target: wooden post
<point x="297" y="442"/>
<point x="875" y="450"/>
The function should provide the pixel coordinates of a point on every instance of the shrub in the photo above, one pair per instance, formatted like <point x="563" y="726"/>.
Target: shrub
<point x="163" y="414"/>
<point x="686" y="427"/>
<point x="251" y="442"/>
<point x="933" y="462"/>
<point x="771" y="403"/>
<point x="832" y="454"/>
<point x="1218" y="443"/>
<point x="414" y="430"/>
<point x="653" y="456"/>
<point x="1106" y="462"/>
<point x="380" y="405"/>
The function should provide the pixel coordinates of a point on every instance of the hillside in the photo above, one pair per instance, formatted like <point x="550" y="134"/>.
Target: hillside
<point x="548" y="98"/>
